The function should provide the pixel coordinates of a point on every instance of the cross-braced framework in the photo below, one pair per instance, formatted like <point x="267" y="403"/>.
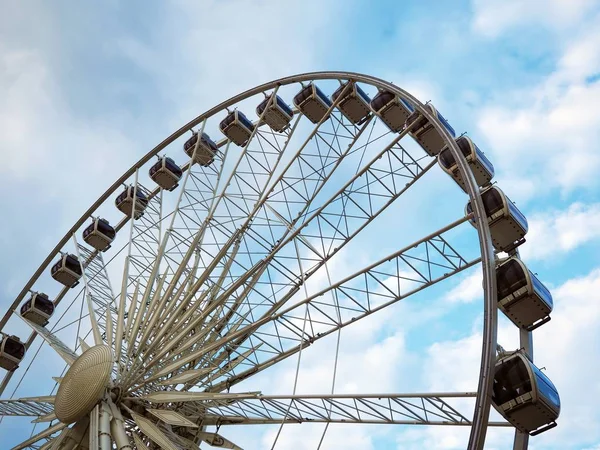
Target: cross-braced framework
<point x="233" y="274"/>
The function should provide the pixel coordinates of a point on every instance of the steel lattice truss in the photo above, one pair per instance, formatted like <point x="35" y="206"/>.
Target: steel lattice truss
<point x="214" y="290"/>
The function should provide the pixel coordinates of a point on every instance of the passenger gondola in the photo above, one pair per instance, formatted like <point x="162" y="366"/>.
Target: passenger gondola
<point x="278" y="115"/>
<point x="312" y="102"/>
<point x="166" y="173"/>
<point x="355" y="104"/>
<point x="124" y="201"/>
<point x="12" y="351"/>
<point x="38" y="309"/>
<point x="237" y="127"/>
<point x="523" y="395"/>
<point x="391" y="109"/>
<point x="521" y="296"/>
<point x="206" y="151"/>
<point x="99" y="234"/>
<point x="424" y="132"/>
<point x="67" y="270"/>
<point x="508" y="225"/>
<point x="482" y="168"/>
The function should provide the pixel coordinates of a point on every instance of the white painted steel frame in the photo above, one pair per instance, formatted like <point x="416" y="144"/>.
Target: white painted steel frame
<point x="490" y="311"/>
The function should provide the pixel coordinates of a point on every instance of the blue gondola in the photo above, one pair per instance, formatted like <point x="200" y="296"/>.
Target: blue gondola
<point x="355" y="104"/>
<point x="166" y="173"/>
<point x="482" y="168"/>
<point x="12" y="352"/>
<point x="312" y="102"/>
<point x="508" y="225"/>
<point x="424" y="132"/>
<point x="38" y="309"/>
<point x="278" y="115"/>
<point x="521" y="296"/>
<point x="237" y="127"/>
<point x="523" y="395"/>
<point x="99" y="234"/>
<point x="206" y="151"/>
<point x="391" y="109"/>
<point x="124" y="201"/>
<point x="67" y="270"/>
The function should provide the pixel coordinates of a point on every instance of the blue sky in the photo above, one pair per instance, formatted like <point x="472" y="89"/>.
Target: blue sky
<point x="87" y="89"/>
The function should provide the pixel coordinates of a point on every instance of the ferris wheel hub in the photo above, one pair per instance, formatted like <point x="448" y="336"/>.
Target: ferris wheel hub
<point x="84" y="384"/>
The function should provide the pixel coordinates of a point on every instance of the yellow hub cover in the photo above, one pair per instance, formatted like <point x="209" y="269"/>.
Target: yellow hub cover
<point x="84" y="384"/>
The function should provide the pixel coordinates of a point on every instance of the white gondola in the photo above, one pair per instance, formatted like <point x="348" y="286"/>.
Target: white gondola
<point x="67" y="270"/>
<point x="38" y="309"/>
<point x="166" y="173"/>
<point x="355" y="104"/>
<point x="124" y="201"/>
<point x="207" y="149"/>
<point x="521" y="296"/>
<point x="508" y="225"/>
<point x="278" y="115"/>
<point x="482" y="168"/>
<point x="237" y="127"/>
<point x="312" y="102"/>
<point x="12" y="351"/>
<point x="523" y="395"/>
<point x="391" y="109"/>
<point x="99" y="234"/>
<point x="424" y="132"/>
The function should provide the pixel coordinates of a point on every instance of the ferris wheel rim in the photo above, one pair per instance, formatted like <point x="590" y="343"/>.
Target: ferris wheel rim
<point x="483" y="401"/>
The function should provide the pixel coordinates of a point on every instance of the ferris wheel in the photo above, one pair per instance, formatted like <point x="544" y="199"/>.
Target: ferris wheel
<point x="185" y="283"/>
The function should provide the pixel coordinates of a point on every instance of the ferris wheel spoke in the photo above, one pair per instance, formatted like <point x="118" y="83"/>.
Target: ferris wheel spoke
<point x="138" y="327"/>
<point x="156" y="262"/>
<point x="346" y="205"/>
<point x="143" y="247"/>
<point x="139" y="442"/>
<point x="164" y="314"/>
<point x="205" y="211"/>
<point x="191" y="323"/>
<point x="152" y="431"/>
<point x="46" y="418"/>
<point x="395" y="277"/>
<point x="97" y="287"/>
<point x="163" y="255"/>
<point x="71" y="437"/>
<point x="128" y="261"/>
<point x="221" y="222"/>
<point x="271" y="222"/>
<point x="243" y="199"/>
<point x="88" y="298"/>
<point x="29" y="406"/>
<point x="209" y="296"/>
<point x="345" y="214"/>
<point x="63" y="350"/>
<point x="58" y="427"/>
<point x="255" y="408"/>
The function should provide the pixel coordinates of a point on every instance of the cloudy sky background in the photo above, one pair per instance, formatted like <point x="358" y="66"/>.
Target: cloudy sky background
<point x="86" y="90"/>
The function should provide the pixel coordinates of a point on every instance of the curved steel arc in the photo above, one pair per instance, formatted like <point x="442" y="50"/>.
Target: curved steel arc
<point x="482" y="407"/>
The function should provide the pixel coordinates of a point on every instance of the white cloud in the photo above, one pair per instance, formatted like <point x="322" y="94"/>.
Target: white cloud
<point x="307" y="437"/>
<point x="33" y="127"/>
<point x="223" y="49"/>
<point x="493" y="17"/>
<point x="572" y="364"/>
<point x="555" y="232"/>
<point x="547" y="135"/>
<point x="468" y="290"/>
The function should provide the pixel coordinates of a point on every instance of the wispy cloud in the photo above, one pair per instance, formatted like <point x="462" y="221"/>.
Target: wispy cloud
<point x="555" y="233"/>
<point x="493" y="17"/>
